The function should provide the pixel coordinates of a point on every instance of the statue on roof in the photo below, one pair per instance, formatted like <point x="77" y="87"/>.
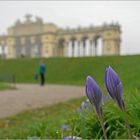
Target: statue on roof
<point x="28" y="17"/>
<point x="17" y="22"/>
<point x="39" y="20"/>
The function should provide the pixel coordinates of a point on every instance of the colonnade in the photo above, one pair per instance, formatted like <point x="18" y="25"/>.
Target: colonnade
<point x="22" y="51"/>
<point x="81" y="48"/>
<point x="28" y="48"/>
<point x="32" y="52"/>
<point x="70" y="48"/>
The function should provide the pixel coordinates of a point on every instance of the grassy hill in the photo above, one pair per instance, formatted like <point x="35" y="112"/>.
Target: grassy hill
<point x="75" y="70"/>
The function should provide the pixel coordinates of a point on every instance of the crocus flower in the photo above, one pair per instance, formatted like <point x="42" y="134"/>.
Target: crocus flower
<point x="114" y="87"/>
<point x="94" y="94"/>
<point x="72" y="138"/>
<point x="64" y="127"/>
<point x="83" y="105"/>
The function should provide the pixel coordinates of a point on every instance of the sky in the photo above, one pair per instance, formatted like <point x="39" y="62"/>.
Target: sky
<point x="83" y="13"/>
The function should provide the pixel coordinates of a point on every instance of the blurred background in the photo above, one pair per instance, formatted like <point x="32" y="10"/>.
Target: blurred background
<point x="80" y="13"/>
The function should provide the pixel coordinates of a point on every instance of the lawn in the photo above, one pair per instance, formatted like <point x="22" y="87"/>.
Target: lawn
<point x="47" y="122"/>
<point x="43" y="123"/>
<point x="5" y="86"/>
<point x="75" y="70"/>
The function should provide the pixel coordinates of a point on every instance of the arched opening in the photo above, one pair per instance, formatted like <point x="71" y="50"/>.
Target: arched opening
<point x="37" y="49"/>
<point x="4" y="51"/>
<point x="72" y="47"/>
<point x="86" y="46"/>
<point x="98" y="46"/>
<point x="61" y="45"/>
<point x="37" y="46"/>
<point x="23" y="51"/>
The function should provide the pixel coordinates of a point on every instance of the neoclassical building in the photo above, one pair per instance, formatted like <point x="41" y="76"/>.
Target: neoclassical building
<point x="34" y="38"/>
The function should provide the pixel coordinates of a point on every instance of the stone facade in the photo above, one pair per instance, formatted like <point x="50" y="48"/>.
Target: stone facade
<point x="34" y="38"/>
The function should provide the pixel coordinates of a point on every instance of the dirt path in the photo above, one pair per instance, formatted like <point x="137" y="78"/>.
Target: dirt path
<point x="33" y="96"/>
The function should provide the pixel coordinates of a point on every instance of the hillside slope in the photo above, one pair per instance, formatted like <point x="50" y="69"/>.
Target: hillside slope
<point x="75" y="70"/>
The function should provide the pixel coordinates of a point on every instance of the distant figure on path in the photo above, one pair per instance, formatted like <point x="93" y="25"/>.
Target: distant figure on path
<point x="42" y="71"/>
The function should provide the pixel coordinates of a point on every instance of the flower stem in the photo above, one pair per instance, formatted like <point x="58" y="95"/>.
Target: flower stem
<point x="128" y="126"/>
<point x="103" y="128"/>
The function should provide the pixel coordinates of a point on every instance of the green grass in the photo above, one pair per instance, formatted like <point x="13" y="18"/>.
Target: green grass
<point x="44" y="122"/>
<point x="75" y="70"/>
<point x="5" y="86"/>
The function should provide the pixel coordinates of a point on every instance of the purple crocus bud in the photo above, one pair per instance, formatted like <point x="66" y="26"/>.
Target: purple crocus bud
<point x="67" y="138"/>
<point x="64" y="127"/>
<point x="72" y="138"/>
<point x="83" y="105"/>
<point x="114" y="87"/>
<point x="94" y="94"/>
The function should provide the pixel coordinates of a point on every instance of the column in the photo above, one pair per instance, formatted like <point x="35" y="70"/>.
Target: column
<point x="81" y="48"/>
<point x="8" y="51"/>
<point x="38" y="46"/>
<point x="3" y="51"/>
<point x="91" y="48"/>
<point x="23" y="50"/>
<point x="84" y="47"/>
<point x="95" y="47"/>
<point x="75" y="48"/>
<point x="33" y="50"/>
<point x="78" y="50"/>
<point x="13" y="51"/>
<point x="65" y="49"/>
<point x="28" y="47"/>
<point x="70" y="49"/>
<point x="87" y="47"/>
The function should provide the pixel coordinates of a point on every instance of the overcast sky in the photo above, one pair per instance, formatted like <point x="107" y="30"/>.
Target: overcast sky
<point x="84" y="13"/>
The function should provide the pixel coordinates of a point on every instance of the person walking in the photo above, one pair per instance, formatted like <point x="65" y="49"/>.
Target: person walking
<point x="42" y="71"/>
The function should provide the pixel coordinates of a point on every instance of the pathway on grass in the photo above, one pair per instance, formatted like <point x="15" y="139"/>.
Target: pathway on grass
<point x="28" y="96"/>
